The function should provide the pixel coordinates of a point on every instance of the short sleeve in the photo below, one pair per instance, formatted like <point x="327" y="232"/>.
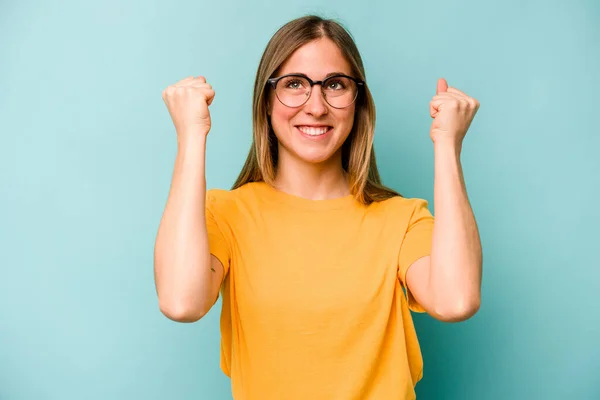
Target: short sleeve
<point x="215" y="226"/>
<point x="416" y="244"/>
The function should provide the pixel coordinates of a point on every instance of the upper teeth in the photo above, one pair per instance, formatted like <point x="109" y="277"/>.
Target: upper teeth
<point x="309" y="130"/>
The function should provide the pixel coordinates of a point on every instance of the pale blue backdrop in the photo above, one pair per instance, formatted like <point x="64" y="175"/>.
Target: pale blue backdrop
<point x="87" y="150"/>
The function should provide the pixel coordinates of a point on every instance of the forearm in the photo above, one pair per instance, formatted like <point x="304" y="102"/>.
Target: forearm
<point x="181" y="256"/>
<point x="456" y="256"/>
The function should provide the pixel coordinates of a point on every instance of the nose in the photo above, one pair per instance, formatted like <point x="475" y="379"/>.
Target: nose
<point x="316" y="105"/>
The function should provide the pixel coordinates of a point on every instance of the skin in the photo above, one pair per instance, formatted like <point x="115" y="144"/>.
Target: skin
<point x="312" y="168"/>
<point x="448" y="282"/>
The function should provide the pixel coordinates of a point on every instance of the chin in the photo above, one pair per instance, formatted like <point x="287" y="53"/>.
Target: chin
<point x="314" y="158"/>
<point x="305" y="154"/>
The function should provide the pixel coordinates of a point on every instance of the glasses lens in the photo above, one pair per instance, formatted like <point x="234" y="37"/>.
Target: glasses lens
<point x="340" y="91"/>
<point x="292" y="90"/>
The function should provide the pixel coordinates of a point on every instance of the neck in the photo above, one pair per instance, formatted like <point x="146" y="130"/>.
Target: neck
<point x="314" y="181"/>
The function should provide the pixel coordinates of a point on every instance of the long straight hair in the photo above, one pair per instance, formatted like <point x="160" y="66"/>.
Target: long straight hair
<point x="358" y="154"/>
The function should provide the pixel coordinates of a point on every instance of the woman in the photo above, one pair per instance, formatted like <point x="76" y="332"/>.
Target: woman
<point x="311" y="251"/>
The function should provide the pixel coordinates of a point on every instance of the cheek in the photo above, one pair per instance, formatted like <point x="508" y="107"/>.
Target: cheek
<point x="347" y="119"/>
<point x="281" y="116"/>
<point x="350" y="116"/>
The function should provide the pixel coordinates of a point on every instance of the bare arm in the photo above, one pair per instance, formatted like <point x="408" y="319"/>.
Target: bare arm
<point x="186" y="285"/>
<point x="448" y="283"/>
<point x="186" y="275"/>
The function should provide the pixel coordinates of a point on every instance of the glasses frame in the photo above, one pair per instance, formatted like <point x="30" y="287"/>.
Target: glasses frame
<point x="359" y="84"/>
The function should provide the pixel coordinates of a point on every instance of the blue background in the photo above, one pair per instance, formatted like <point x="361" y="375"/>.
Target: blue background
<point x="87" y="150"/>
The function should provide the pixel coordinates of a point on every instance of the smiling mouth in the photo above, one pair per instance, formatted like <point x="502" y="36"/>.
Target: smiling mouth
<point x="314" y="130"/>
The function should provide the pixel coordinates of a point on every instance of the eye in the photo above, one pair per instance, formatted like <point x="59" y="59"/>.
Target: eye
<point x="335" y="85"/>
<point x="294" y="83"/>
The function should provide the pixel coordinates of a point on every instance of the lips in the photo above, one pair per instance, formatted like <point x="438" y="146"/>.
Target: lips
<point x="314" y="130"/>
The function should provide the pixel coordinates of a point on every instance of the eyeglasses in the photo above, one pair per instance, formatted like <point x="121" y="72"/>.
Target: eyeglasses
<point x="293" y="90"/>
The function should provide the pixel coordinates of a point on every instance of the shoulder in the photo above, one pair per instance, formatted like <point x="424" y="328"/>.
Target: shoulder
<point x="216" y="196"/>
<point x="399" y="205"/>
<point x="223" y="200"/>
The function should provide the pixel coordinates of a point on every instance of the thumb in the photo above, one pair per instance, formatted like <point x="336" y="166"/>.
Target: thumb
<point x="442" y="86"/>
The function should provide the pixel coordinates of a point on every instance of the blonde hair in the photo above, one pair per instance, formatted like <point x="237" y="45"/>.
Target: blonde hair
<point x="358" y="155"/>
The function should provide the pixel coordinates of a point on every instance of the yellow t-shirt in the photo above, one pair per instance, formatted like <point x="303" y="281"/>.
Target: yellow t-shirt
<point x="313" y="300"/>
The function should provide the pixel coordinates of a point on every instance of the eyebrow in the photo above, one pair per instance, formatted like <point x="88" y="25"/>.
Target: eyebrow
<point x="326" y="76"/>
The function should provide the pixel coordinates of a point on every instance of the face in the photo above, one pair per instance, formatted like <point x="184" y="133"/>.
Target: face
<point x="315" y="131"/>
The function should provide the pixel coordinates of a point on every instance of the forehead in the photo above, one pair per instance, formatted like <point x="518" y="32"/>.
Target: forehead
<point x="316" y="59"/>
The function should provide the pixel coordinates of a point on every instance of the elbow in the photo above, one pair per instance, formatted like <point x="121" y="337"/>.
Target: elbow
<point x="182" y="311"/>
<point x="459" y="311"/>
